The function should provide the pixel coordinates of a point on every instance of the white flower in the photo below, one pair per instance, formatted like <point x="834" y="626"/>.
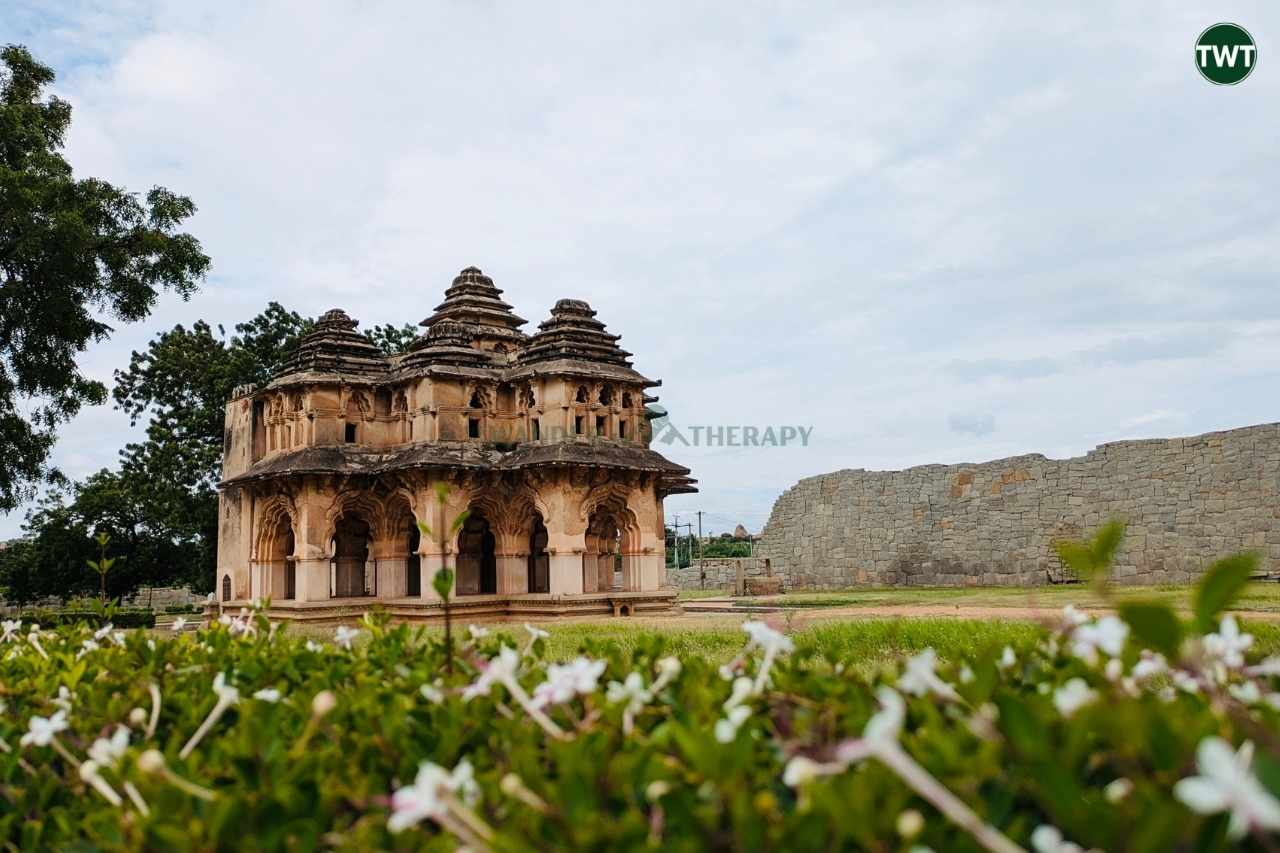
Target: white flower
<point x="630" y="690"/>
<point x="1150" y="665"/>
<point x="1228" y="645"/>
<point x="1073" y="696"/>
<point x="106" y="752"/>
<point x="267" y="694"/>
<point x="564" y="681"/>
<point x="344" y="636"/>
<point x="920" y="678"/>
<point x="743" y="689"/>
<point x="668" y="668"/>
<point x="87" y="647"/>
<point x="422" y="799"/>
<point x="1270" y="666"/>
<point x="227" y="694"/>
<point x="1226" y="783"/>
<point x="767" y="638"/>
<point x="802" y="769"/>
<point x="103" y="631"/>
<point x="63" y="699"/>
<point x="477" y="633"/>
<point x="727" y="729"/>
<point x="1117" y="790"/>
<point x="179" y="624"/>
<point x="966" y="675"/>
<point x="1073" y="617"/>
<point x="1246" y="693"/>
<point x="886" y="723"/>
<point x="313" y="646"/>
<point x="431" y="693"/>
<point x="1048" y="839"/>
<point x="42" y="729"/>
<point x="138" y="717"/>
<point x="1114" y="669"/>
<point x="499" y="668"/>
<point x="536" y="634"/>
<point x="118" y="638"/>
<point x="10" y="628"/>
<point x="1007" y="658"/>
<point x="1107" y="634"/>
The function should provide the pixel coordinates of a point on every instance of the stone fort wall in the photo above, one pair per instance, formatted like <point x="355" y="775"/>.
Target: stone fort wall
<point x="1187" y="501"/>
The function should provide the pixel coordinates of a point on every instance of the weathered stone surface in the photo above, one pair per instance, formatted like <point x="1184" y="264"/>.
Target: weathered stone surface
<point x="1187" y="501"/>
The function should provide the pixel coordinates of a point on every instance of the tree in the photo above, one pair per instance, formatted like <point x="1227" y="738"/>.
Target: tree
<point x="181" y="384"/>
<point x="73" y="254"/>
<point x="393" y="339"/>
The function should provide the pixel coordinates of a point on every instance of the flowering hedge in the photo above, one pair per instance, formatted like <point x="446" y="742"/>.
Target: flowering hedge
<point x="1137" y="731"/>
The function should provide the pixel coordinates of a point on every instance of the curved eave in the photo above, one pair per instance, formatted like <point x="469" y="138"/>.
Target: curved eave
<point x="348" y="461"/>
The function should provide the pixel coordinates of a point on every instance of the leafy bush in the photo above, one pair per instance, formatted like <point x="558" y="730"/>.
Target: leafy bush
<point x="247" y="736"/>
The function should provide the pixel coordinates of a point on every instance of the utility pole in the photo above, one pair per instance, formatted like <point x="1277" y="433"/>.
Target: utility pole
<point x="699" y="537"/>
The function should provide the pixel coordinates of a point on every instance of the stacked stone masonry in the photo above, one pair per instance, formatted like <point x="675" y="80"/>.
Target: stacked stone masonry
<point x="1187" y="501"/>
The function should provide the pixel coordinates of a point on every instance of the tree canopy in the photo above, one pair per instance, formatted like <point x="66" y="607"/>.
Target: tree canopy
<point x="74" y="254"/>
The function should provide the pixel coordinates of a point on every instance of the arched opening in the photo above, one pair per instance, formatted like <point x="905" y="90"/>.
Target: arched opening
<point x="226" y="587"/>
<point x="539" y="560"/>
<point x="626" y="399"/>
<point x="602" y="562"/>
<point x="350" y="572"/>
<point x="282" y="576"/>
<point x="477" y="561"/>
<point x="413" y="565"/>
<point x="606" y="395"/>
<point x="581" y="396"/>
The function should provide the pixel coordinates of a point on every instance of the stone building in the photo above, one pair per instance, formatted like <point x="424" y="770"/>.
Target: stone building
<point x="542" y="439"/>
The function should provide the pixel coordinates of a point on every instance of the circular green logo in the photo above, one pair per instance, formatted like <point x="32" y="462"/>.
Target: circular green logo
<point x="1226" y="54"/>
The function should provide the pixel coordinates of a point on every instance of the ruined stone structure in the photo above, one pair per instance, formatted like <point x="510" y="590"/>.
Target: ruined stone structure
<point x="542" y="439"/>
<point x="1187" y="501"/>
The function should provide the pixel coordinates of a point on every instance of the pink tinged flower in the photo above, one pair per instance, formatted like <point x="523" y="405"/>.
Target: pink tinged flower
<point x="1228" y="645"/>
<point x="345" y="636"/>
<point x="1270" y="666"/>
<point x="920" y="677"/>
<point x="883" y="728"/>
<point x="496" y="670"/>
<point x="1073" y="696"/>
<point x="9" y="629"/>
<point x="427" y="796"/>
<point x="1149" y="666"/>
<point x="1226" y="783"/>
<point x="179" y="624"/>
<point x="107" y="751"/>
<point x="41" y="730"/>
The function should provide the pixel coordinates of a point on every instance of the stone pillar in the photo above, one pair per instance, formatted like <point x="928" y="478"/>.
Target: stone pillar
<point x="392" y="577"/>
<point x="566" y="570"/>
<point x="513" y="573"/>
<point x="590" y="570"/>
<point x="313" y="579"/>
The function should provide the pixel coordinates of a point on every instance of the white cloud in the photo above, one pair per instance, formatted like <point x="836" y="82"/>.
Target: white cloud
<point x="854" y="219"/>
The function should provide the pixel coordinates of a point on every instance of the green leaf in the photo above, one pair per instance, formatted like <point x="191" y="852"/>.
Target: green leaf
<point x="425" y="529"/>
<point x="1076" y="556"/>
<point x="443" y="582"/>
<point x="1154" y="625"/>
<point x="1105" y="544"/>
<point x="1220" y="586"/>
<point x="459" y="521"/>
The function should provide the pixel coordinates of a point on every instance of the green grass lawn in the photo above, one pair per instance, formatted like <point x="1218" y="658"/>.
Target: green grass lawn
<point x="863" y="645"/>
<point x="1257" y="596"/>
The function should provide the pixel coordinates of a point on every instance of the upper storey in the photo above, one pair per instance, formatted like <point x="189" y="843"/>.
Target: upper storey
<point x="472" y="390"/>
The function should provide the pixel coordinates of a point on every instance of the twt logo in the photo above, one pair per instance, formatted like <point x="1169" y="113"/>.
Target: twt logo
<point x="1226" y="54"/>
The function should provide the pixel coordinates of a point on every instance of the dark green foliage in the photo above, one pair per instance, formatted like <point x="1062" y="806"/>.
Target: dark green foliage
<point x="75" y="254"/>
<point x="724" y="548"/>
<point x="1222" y="582"/>
<point x="393" y="339"/>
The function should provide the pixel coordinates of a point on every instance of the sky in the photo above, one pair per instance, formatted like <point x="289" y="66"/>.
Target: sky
<point x="927" y="233"/>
